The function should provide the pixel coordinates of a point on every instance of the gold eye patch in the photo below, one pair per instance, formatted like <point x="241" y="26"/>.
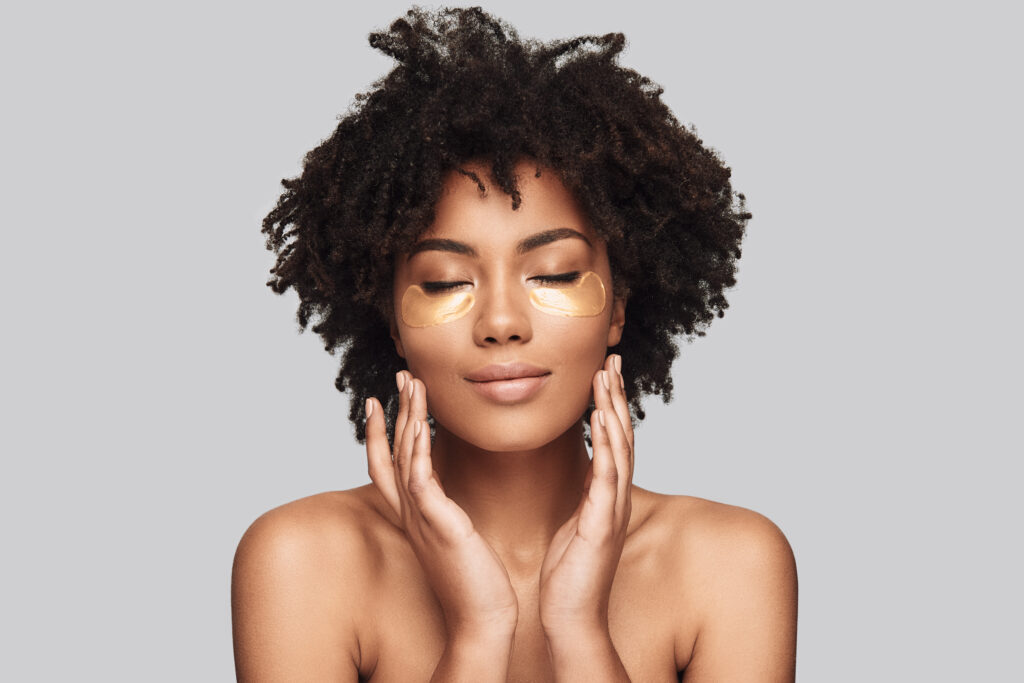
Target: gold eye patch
<point x="585" y="298"/>
<point x="420" y="309"/>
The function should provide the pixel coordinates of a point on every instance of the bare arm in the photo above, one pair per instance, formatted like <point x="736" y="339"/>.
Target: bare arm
<point x="748" y="630"/>
<point x="289" y="621"/>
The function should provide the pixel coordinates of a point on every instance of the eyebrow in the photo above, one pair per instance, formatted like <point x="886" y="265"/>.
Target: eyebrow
<point x="524" y="245"/>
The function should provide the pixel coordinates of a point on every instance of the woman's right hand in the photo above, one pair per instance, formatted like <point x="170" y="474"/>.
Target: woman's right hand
<point x="466" y="574"/>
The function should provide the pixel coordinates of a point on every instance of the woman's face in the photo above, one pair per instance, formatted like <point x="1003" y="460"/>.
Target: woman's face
<point x="475" y="300"/>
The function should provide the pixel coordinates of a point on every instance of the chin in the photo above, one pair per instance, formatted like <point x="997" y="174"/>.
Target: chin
<point x="509" y="434"/>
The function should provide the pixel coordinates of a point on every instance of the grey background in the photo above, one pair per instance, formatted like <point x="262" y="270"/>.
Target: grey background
<point x="859" y="391"/>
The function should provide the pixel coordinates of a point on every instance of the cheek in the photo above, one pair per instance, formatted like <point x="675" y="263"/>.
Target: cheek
<point x="582" y="346"/>
<point x="432" y="355"/>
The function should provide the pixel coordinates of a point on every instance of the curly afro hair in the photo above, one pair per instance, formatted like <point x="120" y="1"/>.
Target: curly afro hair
<point x="466" y="87"/>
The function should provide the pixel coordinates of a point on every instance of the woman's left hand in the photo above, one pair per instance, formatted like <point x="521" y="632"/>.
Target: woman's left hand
<point x="577" y="573"/>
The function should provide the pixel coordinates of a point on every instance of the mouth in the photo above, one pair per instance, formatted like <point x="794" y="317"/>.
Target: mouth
<point x="508" y="371"/>
<point x="511" y="383"/>
<point x="514" y="390"/>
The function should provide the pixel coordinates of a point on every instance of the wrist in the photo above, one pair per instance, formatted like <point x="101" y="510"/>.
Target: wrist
<point x="568" y="629"/>
<point x="489" y="639"/>
<point x="577" y="636"/>
<point x="587" y="656"/>
<point x="489" y="632"/>
<point x="477" y="657"/>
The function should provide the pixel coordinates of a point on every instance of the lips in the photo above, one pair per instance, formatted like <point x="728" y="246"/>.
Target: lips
<point x="493" y="373"/>
<point x="511" y="383"/>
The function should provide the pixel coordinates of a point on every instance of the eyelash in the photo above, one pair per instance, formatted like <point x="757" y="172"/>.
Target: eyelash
<point x="561" y="278"/>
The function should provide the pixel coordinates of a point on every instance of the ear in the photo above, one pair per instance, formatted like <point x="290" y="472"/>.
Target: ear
<point x="618" y="321"/>
<point x="397" y="338"/>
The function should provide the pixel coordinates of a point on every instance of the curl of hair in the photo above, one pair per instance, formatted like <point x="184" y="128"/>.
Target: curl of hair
<point x="466" y="87"/>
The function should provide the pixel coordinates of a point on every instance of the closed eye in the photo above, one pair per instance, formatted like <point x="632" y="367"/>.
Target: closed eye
<point x="562" y="278"/>
<point x="442" y="286"/>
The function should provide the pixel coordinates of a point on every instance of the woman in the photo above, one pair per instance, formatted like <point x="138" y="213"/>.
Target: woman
<point x="480" y="230"/>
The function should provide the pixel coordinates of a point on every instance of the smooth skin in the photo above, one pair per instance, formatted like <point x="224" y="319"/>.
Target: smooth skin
<point x="502" y="551"/>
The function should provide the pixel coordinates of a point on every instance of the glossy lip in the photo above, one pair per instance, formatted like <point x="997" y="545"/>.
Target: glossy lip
<point x="509" y="383"/>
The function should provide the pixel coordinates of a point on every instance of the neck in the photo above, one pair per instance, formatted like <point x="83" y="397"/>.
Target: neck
<point x="517" y="500"/>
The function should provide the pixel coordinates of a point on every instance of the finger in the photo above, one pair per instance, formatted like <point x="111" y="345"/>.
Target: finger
<point x="417" y="412"/>
<point x="403" y="451"/>
<point x="439" y="511"/>
<point x="403" y="442"/>
<point x="597" y="514"/>
<point x="418" y="406"/>
<point x="622" y="408"/>
<point x="402" y="385"/>
<point x="378" y="455"/>
<point x="613" y="427"/>
<point x="420" y="467"/>
<point x="619" y="446"/>
<point x="619" y="398"/>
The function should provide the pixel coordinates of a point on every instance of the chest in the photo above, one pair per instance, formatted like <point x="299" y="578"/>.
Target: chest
<point x="649" y="627"/>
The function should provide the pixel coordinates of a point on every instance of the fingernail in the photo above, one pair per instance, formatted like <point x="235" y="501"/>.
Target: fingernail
<point x="369" y="408"/>
<point x="412" y="389"/>
<point x="416" y="428"/>
<point x="600" y="417"/>
<point x="400" y="381"/>
<point x="604" y="378"/>
<point x="618" y="364"/>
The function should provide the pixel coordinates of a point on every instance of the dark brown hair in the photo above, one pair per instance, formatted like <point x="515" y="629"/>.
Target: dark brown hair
<point x="467" y="87"/>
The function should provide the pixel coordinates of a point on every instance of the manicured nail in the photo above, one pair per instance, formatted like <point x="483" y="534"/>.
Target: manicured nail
<point x="416" y="428"/>
<point x="618" y="363"/>
<point x="600" y="417"/>
<point x="604" y="378"/>
<point x="412" y="389"/>
<point x="400" y="381"/>
<point x="369" y="408"/>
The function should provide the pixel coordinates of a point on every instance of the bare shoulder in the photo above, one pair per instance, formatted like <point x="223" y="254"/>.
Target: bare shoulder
<point x="336" y="523"/>
<point x="300" y="584"/>
<point x="726" y="534"/>
<point x="741" y="577"/>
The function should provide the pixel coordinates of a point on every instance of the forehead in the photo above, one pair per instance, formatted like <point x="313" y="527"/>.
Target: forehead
<point x="465" y="214"/>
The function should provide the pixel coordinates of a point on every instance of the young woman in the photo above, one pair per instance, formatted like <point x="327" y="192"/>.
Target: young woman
<point x="481" y="230"/>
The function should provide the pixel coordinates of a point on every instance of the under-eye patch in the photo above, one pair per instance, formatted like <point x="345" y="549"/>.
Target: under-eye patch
<point x="584" y="298"/>
<point x="420" y="309"/>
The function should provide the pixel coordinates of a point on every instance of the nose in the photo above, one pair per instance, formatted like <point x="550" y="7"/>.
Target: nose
<point x="503" y="315"/>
